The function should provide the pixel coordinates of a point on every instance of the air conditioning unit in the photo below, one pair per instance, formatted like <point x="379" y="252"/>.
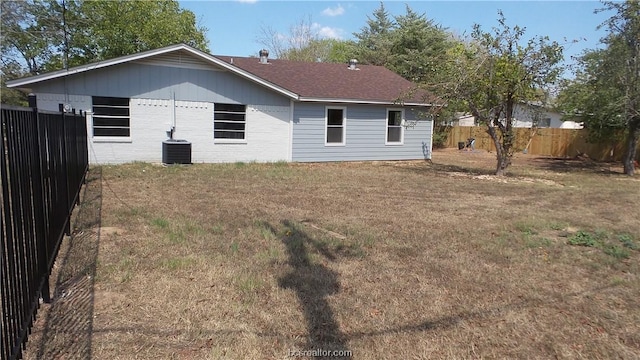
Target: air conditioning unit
<point x="176" y="151"/>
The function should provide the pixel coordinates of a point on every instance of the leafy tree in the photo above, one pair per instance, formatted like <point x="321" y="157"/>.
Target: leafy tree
<point x="341" y="51"/>
<point x="494" y="73"/>
<point x="606" y="89"/>
<point x="418" y="47"/>
<point x="24" y="36"/>
<point x="127" y="27"/>
<point x="11" y="70"/>
<point x="44" y="35"/>
<point x="595" y="99"/>
<point x="323" y="50"/>
<point x="374" y="40"/>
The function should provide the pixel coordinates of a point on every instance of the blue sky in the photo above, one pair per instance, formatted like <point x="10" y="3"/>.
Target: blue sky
<point x="234" y="26"/>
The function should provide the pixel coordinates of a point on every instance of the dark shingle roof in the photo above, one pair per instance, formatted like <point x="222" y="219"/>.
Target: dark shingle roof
<point x="317" y="80"/>
<point x="304" y="81"/>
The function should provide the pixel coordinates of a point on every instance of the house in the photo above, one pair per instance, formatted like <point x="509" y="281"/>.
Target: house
<point x="239" y="109"/>
<point x="525" y="116"/>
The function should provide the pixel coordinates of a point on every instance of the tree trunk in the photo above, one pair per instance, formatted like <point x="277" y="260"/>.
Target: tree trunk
<point x="630" y="154"/>
<point x="502" y="155"/>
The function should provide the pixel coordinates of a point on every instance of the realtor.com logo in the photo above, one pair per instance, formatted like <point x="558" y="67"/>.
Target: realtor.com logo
<point x="320" y="353"/>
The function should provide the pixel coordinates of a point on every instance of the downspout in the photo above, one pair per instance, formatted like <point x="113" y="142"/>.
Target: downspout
<point x="433" y="120"/>
<point x="173" y="115"/>
<point x="290" y="150"/>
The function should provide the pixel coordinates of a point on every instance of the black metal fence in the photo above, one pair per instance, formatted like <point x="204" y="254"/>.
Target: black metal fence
<point x="43" y="162"/>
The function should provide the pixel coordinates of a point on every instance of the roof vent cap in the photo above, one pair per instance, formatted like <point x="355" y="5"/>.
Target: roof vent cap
<point x="264" y="56"/>
<point x="353" y="64"/>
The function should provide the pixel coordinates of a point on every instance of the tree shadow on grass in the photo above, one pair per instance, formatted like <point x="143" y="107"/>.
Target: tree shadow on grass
<point x="68" y="324"/>
<point x="312" y="282"/>
<point x="445" y="169"/>
<point x="494" y="312"/>
<point x="569" y="165"/>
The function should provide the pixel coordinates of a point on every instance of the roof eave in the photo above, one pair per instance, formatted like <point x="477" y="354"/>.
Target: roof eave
<point x="361" y="101"/>
<point x="92" y="66"/>
<point x="210" y="58"/>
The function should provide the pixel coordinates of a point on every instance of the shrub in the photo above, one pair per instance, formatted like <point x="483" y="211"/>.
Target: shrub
<point x="583" y="238"/>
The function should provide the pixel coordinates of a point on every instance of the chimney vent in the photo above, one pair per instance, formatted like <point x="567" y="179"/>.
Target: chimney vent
<point x="352" y="64"/>
<point x="264" y="56"/>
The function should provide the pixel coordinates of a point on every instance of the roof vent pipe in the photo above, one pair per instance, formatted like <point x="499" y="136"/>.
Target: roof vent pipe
<point x="264" y="56"/>
<point x="352" y="64"/>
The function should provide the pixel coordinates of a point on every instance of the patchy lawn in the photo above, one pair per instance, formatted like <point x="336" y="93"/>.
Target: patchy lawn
<point x="383" y="259"/>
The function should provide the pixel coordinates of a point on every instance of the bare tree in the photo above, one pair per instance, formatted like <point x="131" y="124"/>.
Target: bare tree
<point x="283" y="46"/>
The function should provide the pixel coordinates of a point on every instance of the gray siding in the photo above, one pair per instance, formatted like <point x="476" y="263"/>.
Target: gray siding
<point x="135" y="80"/>
<point x="365" y="135"/>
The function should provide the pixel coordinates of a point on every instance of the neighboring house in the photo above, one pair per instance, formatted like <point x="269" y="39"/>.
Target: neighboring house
<point x="525" y="116"/>
<point x="239" y="109"/>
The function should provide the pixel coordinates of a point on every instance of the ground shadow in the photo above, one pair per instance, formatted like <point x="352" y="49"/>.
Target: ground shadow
<point x="439" y="168"/>
<point x="68" y="324"/>
<point x="578" y="165"/>
<point x="312" y="282"/>
<point x="454" y="320"/>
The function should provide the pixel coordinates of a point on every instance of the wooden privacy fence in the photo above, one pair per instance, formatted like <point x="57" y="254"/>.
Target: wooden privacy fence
<point x="545" y="141"/>
<point x="43" y="163"/>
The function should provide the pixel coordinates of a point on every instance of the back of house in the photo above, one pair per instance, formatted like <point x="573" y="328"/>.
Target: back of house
<point x="232" y="109"/>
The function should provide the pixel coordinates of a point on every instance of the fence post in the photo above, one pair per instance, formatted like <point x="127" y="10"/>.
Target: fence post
<point x="77" y="154"/>
<point x="67" y="228"/>
<point x="42" y="243"/>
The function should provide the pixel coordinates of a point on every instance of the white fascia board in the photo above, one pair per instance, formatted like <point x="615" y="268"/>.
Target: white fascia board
<point x="356" y="101"/>
<point x="92" y="66"/>
<point x="146" y="54"/>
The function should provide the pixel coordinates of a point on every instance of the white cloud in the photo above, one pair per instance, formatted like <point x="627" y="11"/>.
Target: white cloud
<point x="336" y="11"/>
<point x="327" y="32"/>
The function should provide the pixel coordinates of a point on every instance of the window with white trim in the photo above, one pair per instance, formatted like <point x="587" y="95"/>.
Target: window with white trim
<point x="544" y="123"/>
<point x="395" y="130"/>
<point x="335" y="124"/>
<point x="229" y="121"/>
<point x="110" y="117"/>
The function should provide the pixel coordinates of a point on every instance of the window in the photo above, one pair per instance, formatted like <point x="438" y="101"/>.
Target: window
<point x="111" y="116"/>
<point x="229" y="121"/>
<point x="544" y="123"/>
<point x="395" y="130"/>
<point x="335" y="126"/>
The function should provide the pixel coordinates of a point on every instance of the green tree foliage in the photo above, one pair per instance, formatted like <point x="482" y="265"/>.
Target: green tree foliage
<point x="374" y="40"/>
<point x="11" y="70"/>
<point x="127" y="27"/>
<point x="45" y="35"/>
<point x="411" y="45"/>
<point x="323" y="50"/>
<point x="25" y="35"/>
<point x="496" y="71"/>
<point x="606" y="89"/>
<point x="594" y="98"/>
<point x="418" y="47"/>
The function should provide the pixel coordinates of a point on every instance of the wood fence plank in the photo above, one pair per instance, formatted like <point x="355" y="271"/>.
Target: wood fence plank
<point x="547" y="141"/>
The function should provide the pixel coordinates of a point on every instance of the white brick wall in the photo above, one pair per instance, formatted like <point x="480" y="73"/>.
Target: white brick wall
<point x="267" y="131"/>
<point x="267" y="134"/>
<point x="50" y="101"/>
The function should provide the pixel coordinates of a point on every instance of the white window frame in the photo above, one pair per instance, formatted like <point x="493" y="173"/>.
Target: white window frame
<point x="109" y="138"/>
<point x="401" y="126"/>
<point x="344" y="125"/>
<point x="226" y="140"/>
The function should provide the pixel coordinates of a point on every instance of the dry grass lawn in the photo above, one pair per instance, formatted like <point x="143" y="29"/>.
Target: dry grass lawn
<point x="387" y="260"/>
